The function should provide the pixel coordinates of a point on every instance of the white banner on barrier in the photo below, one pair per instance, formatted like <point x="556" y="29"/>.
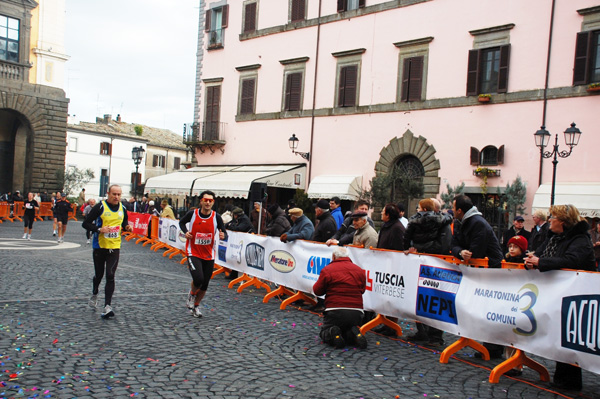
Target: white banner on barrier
<point x="555" y="315"/>
<point x="170" y="233"/>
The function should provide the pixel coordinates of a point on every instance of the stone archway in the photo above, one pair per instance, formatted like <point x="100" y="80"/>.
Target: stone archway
<point x="409" y="145"/>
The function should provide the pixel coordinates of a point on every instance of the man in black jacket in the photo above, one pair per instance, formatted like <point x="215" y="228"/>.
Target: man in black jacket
<point x="279" y="223"/>
<point x="539" y="231"/>
<point x="327" y="225"/>
<point x="240" y="222"/>
<point x="476" y="239"/>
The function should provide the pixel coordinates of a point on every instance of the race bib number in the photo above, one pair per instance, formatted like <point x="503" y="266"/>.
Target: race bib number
<point x="203" y="239"/>
<point x="113" y="232"/>
<point x="28" y="206"/>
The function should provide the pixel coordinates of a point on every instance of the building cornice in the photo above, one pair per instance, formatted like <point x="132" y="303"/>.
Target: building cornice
<point x="493" y="29"/>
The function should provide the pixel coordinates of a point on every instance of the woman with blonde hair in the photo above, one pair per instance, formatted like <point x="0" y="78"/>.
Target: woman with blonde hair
<point x="568" y="246"/>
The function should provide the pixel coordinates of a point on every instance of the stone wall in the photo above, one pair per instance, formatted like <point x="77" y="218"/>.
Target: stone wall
<point x="42" y="112"/>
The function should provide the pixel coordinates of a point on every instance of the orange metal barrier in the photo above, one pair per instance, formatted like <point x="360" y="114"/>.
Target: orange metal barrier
<point x="18" y="210"/>
<point x="5" y="212"/>
<point x="72" y="213"/>
<point x="45" y="210"/>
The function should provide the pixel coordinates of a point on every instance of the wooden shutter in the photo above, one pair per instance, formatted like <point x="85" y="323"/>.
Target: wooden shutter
<point x="247" y="100"/>
<point x="176" y="163"/>
<point x="250" y="17"/>
<point x="347" y="89"/>
<point x="473" y="73"/>
<point x="503" y="69"/>
<point x="154" y="160"/>
<point x="293" y="91"/>
<point x="361" y="3"/>
<point x="341" y="6"/>
<point x="581" y="68"/>
<point x="412" y="79"/>
<point x="474" y="156"/>
<point x="207" y="21"/>
<point x="109" y="148"/>
<point x="298" y="9"/>
<point x="225" y="16"/>
<point x="501" y="155"/>
<point x="213" y="99"/>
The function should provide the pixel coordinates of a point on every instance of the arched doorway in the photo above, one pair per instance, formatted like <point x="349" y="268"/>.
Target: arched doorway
<point x="410" y="164"/>
<point x="15" y="151"/>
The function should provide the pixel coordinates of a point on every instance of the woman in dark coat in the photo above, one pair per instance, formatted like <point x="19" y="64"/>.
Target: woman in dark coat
<point x="568" y="246"/>
<point x="424" y="231"/>
<point x="391" y="235"/>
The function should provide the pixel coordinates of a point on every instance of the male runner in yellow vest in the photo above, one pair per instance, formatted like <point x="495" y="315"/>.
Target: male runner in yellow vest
<point x="106" y="220"/>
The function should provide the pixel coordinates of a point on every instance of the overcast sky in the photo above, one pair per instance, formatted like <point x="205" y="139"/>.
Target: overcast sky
<point x="136" y="58"/>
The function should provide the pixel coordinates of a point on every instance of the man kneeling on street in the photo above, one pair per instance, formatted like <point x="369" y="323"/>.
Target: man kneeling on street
<point x="343" y="284"/>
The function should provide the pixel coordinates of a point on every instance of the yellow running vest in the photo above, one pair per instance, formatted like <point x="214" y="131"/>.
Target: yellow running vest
<point x="112" y="239"/>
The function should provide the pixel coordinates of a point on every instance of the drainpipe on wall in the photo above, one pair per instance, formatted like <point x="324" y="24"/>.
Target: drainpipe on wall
<point x="312" y="118"/>
<point x="545" y="106"/>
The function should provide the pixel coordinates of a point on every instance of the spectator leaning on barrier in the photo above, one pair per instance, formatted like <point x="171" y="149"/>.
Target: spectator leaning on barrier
<point x="326" y="227"/>
<point x="425" y="228"/>
<point x="264" y="218"/>
<point x="391" y="235"/>
<point x="345" y="234"/>
<point x="476" y="239"/>
<point x="279" y="223"/>
<point x="365" y="235"/>
<point x="302" y="228"/>
<point x="568" y="246"/>
<point x="240" y="222"/>
<point x="167" y="211"/>
<point x="517" y="248"/>
<point x="539" y="231"/>
<point x="343" y="284"/>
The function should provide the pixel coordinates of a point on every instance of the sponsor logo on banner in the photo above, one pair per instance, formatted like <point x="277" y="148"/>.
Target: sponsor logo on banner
<point x="172" y="233"/>
<point x="314" y="266"/>
<point x="580" y="325"/>
<point x="522" y="318"/>
<point x="282" y="261"/>
<point x="234" y="251"/>
<point x="387" y="284"/>
<point x="222" y="250"/>
<point x="255" y="256"/>
<point x="436" y="293"/>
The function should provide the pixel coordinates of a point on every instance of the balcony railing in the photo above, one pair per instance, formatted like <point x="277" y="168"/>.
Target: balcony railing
<point x="11" y="71"/>
<point x="205" y="133"/>
<point x="215" y="38"/>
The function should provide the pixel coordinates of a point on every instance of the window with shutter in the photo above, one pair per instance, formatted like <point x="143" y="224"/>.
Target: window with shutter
<point x="215" y="23"/>
<point x="247" y="96"/>
<point x="487" y="70"/>
<point x="595" y="67"/>
<point x="489" y="156"/>
<point x="347" y="5"/>
<point x="154" y="160"/>
<point x="293" y="91"/>
<point x="298" y="10"/>
<point x="347" y="86"/>
<point x="412" y="78"/>
<point x="250" y="17"/>
<point x="105" y="148"/>
<point x="176" y="163"/>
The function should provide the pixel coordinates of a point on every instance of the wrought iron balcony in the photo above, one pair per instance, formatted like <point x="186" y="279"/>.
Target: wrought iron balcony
<point x="215" y="38"/>
<point x="205" y="135"/>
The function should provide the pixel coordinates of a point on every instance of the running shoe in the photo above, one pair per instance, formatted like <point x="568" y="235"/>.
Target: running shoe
<point x="107" y="312"/>
<point x="54" y="233"/>
<point x="190" y="301"/>
<point x="197" y="312"/>
<point x="29" y="236"/>
<point x="88" y="242"/>
<point x="93" y="302"/>
<point x="25" y="236"/>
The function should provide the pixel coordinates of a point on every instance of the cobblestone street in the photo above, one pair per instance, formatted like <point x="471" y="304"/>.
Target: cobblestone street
<point x="52" y="344"/>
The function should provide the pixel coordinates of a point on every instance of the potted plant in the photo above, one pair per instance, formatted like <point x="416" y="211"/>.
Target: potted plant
<point x="593" y="87"/>
<point x="485" y="98"/>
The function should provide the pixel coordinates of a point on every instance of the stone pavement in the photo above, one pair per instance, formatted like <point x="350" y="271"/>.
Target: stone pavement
<point x="53" y="345"/>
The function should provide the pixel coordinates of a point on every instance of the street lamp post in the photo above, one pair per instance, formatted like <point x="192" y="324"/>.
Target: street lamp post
<point x="542" y="139"/>
<point x="293" y="141"/>
<point x="137" y="154"/>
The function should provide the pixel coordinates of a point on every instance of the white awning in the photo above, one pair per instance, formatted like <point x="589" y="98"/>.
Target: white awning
<point x="227" y="181"/>
<point x="347" y="187"/>
<point x="585" y="197"/>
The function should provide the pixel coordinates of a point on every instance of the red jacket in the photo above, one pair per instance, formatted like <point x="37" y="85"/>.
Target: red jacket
<point x="343" y="283"/>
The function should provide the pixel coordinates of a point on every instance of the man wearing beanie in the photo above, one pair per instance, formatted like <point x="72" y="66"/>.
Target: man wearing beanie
<point x="279" y="223"/>
<point x="327" y="226"/>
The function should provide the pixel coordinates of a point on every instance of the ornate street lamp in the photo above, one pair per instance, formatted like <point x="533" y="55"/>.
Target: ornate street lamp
<point x="137" y="154"/>
<point x="542" y="139"/>
<point x="293" y="141"/>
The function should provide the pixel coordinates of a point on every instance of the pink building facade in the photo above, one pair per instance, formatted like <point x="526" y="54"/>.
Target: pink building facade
<point x="368" y="85"/>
